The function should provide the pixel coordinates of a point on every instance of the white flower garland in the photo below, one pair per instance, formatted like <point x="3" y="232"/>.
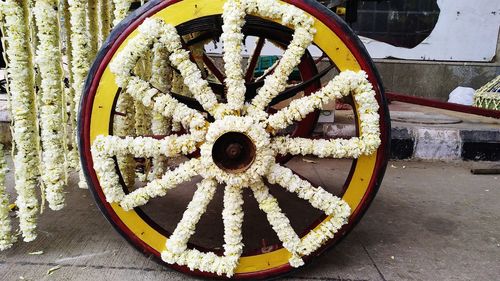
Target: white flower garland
<point x="22" y="104"/>
<point x="121" y="10"/>
<point x="177" y="243"/>
<point x="49" y="61"/>
<point x="256" y="126"/>
<point x="93" y="27"/>
<point x="342" y="85"/>
<point x="161" y="76"/>
<point x="6" y="237"/>
<point x="81" y="62"/>
<point x="279" y="222"/>
<point x="232" y="37"/>
<point x="337" y="210"/>
<point x="72" y="157"/>
<point x="104" y="12"/>
<point x="125" y="125"/>
<point x="302" y="38"/>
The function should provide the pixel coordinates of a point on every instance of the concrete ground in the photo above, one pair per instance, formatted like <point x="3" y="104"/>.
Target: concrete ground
<point x="430" y="221"/>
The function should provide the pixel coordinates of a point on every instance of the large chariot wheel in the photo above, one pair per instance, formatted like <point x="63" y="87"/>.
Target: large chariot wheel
<point x="237" y="137"/>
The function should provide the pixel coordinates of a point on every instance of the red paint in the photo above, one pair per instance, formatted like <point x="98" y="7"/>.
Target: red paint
<point x="443" y="105"/>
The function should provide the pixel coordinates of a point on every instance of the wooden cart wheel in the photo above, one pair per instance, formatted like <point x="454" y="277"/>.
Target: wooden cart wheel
<point x="149" y="225"/>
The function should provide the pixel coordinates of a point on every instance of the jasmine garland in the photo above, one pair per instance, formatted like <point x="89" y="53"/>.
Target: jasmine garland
<point x="249" y="120"/>
<point x="6" y="237"/>
<point x="23" y="113"/>
<point x="49" y="61"/>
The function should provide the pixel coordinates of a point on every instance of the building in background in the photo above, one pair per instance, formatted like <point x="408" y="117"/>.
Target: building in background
<point x="428" y="47"/>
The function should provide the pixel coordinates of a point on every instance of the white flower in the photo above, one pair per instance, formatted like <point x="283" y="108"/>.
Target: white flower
<point x="232" y="37"/>
<point x="121" y="10"/>
<point x="252" y="122"/>
<point x="23" y="110"/>
<point x="80" y="64"/>
<point x="6" y="237"/>
<point x="49" y="61"/>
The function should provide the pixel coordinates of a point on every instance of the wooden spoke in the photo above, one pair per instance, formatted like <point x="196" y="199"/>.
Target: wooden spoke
<point x="254" y="59"/>
<point x="213" y="68"/>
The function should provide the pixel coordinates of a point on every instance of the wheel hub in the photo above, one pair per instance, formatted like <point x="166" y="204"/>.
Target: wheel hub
<point x="234" y="152"/>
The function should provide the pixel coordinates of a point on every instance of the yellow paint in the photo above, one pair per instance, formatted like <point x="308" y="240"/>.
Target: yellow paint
<point x="182" y="12"/>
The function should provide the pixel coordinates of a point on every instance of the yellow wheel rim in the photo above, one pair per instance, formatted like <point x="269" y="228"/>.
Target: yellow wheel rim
<point x="185" y="11"/>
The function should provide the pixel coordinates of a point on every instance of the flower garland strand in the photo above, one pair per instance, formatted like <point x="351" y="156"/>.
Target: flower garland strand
<point x="49" y="62"/>
<point x="161" y="75"/>
<point x="104" y="12"/>
<point x="125" y="125"/>
<point x="232" y="37"/>
<point x="177" y="243"/>
<point x="337" y="209"/>
<point x="23" y="112"/>
<point x="6" y="237"/>
<point x="279" y="222"/>
<point x="302" y="38"/>
<point x="121" y="10"/>
<point x="72" y="153"/>
<point x="342" y="85"/>
<point x="81" y="59"/>
<point x="93" y="27"/>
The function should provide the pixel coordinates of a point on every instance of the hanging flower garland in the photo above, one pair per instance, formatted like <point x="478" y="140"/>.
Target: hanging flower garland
<point x="161" y="76"/>
<point x="81" y="57"/>
<point x="104" y="12"/>
<point x="22" y="104"/>
<point x="49" y="61"/>
<point x="72" y="158"/>
<point x="93" y="27"/>
<point x="121" y="10"/>
<point x="6" y="237"/>
<point x="125" y="125"/>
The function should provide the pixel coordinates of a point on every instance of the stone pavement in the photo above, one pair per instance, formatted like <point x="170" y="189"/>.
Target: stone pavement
<point x="430" y="221"/>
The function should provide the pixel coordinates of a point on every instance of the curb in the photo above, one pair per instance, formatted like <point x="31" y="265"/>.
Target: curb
<point x="435" y="143"/>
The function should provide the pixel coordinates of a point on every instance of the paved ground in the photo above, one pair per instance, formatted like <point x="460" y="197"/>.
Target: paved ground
<point x="430" y="221"/>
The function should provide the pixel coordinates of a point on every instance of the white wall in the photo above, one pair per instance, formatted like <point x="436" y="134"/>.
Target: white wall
<point x="467" y="30"/>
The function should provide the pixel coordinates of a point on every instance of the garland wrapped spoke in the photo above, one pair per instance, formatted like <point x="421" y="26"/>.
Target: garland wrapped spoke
<point x="6" y="237"/>
<point x="279" y="222"/>
<point x="22" y="104"/>
<point x="232" y="37"/>
<point x="104" y="148"/>
<point x="345" y="83"/>
<point x="249" y="120"/>
<point x="177" y="243"/>
<point x="302" y="38"/>
<point x="342" y="85"/>
<point x="159" y="187"/>
<point x="337" y="209"/>
<point x="49" y="61"/>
